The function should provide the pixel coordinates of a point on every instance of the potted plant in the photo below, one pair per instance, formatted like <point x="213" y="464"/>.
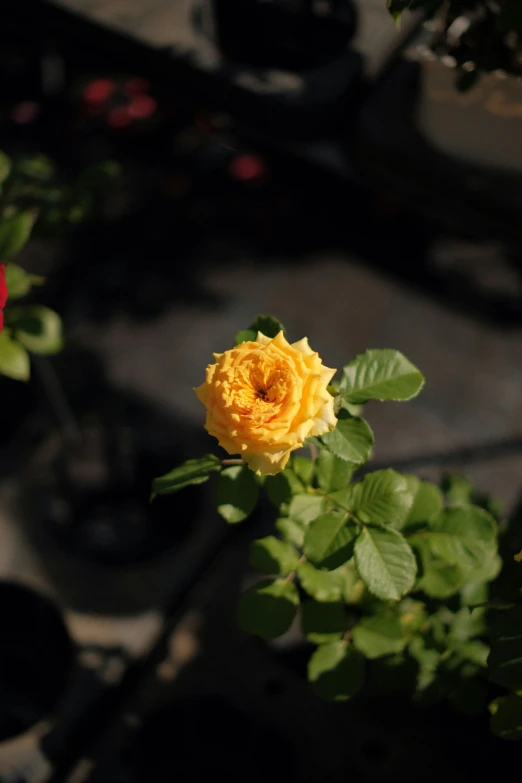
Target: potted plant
<point x="385" y="575"/>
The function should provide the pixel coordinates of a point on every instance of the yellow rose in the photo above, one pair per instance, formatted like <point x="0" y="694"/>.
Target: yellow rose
<point x="265" y="397"/>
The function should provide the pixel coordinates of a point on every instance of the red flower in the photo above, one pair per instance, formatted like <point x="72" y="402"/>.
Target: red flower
<point x="3" y="294"/>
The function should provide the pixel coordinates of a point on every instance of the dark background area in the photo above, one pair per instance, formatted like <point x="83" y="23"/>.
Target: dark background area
<point x="296" y="174"/>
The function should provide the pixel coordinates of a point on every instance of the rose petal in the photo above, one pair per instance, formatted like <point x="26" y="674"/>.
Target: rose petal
<point x="264" y="398"/>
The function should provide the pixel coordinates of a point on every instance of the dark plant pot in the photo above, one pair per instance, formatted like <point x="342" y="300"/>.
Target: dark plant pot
<point x="36" y="659"/>
<point x="86" y="507"/>
<point x="449" y="156"/>
<point x="277" y="35"/>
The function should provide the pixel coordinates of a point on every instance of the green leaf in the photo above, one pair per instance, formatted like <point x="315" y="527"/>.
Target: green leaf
<point x="35" y="166"/>
<point x="80" y="209"/>
<point x="98" y="176"/>
<point x="323" y="622"/>
<point x="380" y="375"/>
<point x="352" y="589"/>
<point x="245" y="336"/>
<point x="492" y="505"/>
<point x="15" y="230"/>
<point x="336" y="671"/>
<point x="413" y="615"/>
<point x="473" y="651"/>
<point x="38" y="328"/>
<point x="438" y="634"/>
<point x="428" y="660"/>
<point x="412" y="482"/>
<point x="19" y="282"/>
<point x="332" y="472"/>
<point x="464" y="536"/>
<point x="488" y="570"/>
<point x="281" y="487"/>
<point x="385" y="562"/>
<point x="427" y="501"/>
<point x="441" y="580"/>
<point x="382" y="497"/>
<point x="457" y="489"/>
<point x="353" y="410"/>
<point x="466" y="623"/>
<point x="379" y="635"/>
<point x="270" y="555"/>
<point x="506" y="716"/>
<point x="329" y="540"/>
<point x="339" y="499"/>
<point x="193" y="471"/>
<point x="268" y="608"/>
<point x="5" y="167"/>
<point x="237" y="493"/>
<point x="438" y="579"/>
<point x="351" y="440"/>
<point x="473" y="593"/>
<point x="303" y="468"/>
<point x="292" y="531"/>
<point x="266" y="324"/>
<point x="475" y="589"/>
<point x="505" y="658"/>
<point x="306" y="508"/>
<point x="324" y="586"/>
<point x="14" y="359"/>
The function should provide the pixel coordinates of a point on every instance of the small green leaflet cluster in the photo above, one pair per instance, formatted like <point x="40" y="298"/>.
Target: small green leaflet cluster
<point x="266" y="324"/>
<point x="366" y="566"/>
<point x="27" y="328"/>
<point x="31" y="198"/>
<point x="31" y="185"/>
